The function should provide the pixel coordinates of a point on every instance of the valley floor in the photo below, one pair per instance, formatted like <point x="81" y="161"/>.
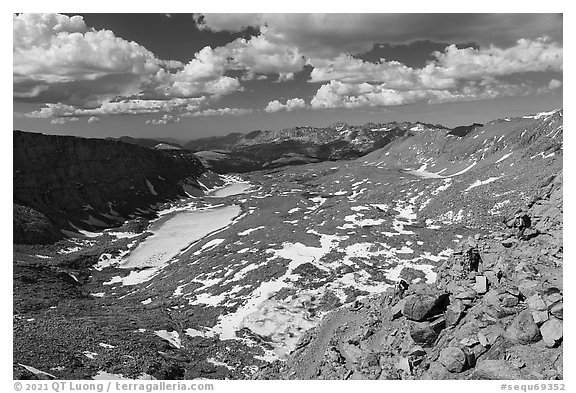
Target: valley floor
<point x="224" y="285"/>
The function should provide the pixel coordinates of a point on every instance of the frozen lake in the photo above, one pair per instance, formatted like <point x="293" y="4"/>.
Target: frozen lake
<point x="230" y="189"/>
<point x="177" y="233"/>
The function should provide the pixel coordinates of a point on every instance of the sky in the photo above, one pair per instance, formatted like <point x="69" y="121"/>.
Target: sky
<point x="186" y="76"/>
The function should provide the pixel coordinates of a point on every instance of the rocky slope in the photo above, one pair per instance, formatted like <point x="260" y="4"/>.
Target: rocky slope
<point x="502" y="320"/>
<point x="71" y="183"/>
<point x="297" y="285"/>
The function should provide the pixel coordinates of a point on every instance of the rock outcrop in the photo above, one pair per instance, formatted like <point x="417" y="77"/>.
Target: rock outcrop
<point x="64" y="182"/>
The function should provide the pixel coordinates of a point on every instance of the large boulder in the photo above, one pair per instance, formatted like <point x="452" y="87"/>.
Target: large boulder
<point x="436" y="372"/>
<point x="529" y="287"/>
<point x="523" y="329"/>
<point x="551" y="332"/>
<point x="453" y="358"/>
<point x="421" y="306"/>
<point x="423" y="334"/>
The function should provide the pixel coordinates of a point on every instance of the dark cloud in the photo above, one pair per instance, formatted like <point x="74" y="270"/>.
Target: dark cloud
<point x="415" y="54"/>
<point x="329" y="34"/>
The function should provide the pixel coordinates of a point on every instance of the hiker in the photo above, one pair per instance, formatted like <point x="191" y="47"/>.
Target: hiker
<point x="400" y="288"/>
<point x="470" y="260"/>
<point x="521" y="221"/>
<point x="473" y="258"/>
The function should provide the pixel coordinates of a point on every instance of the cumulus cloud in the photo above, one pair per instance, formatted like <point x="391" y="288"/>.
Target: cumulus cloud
<point x="63" y="120"/>
<point x="133" y="107"/>
<point x="166" y="119"/>
<point x="291" y="104"/>
<point x="350" y="95"/>
<point x="327" y="35"/>
<point x="59" y="61"/>
<point x="348" y="69"/>
<point x="526" y="56"/>
<point x="554" y="84"/>
<point x="93" y="119"/>
<point x="56" y="58"/>
<point x="450" y="65"/>
<point x="221" y="112"/>
<point x="77" y="71"/>
<point x="261" y="56"/>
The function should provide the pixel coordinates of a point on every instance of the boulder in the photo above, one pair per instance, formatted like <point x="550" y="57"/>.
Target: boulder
<point x="423" y="334"/>
<point x="551" y="332"/>
<point x="492" y="277"/>
<point x="512" y="289"/>
<point x="497" y="350"/>
<point x="540" y="316"/>
<point x="436" y="371"/>
<point x="454" y="312"/>
<point x="453" y="358"/>
<point x="535" y="302"/>
<point x="495" y="369"/>
<point x="483" y="340"/>
<point x="352" y="353"/>
<point x="493" y="306"/>
<point x="528" y="288"/>
<point x="416" y="351"/>
<point x="523" y="329"/>
<point x="481" y="285"/>
<point x="403" y="364"/>
<point x="419" y="307"/>
<point x="466" y="294"/>
<point x="508" y="300"/>
<point x="469" y="341"/>
<point x="553" y="298"/>
<point x="490" y="334"/>
<point x="396" y="311"/>
<point x="557" y="310"/>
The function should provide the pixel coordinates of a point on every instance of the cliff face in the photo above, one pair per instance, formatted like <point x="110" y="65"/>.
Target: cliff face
<point x="92" y="183"/>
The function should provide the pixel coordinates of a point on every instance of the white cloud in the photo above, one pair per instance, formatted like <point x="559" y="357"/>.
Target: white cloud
<point x="285" y="76"/>
<point x="134" y="107"/>
<point x="93" y="119"/>
<point x="221" y="112"/>
<point x="260" y="56"/>
<point x="554" y="84"/>
<point x="291" y="105"/>
<point x="166" y="119"/>
<point x="526" y="56"/>
<point x="349" y="95"/>
<point x="56" y="58"/>
<point x="59" y="61"/>
<point x="77" y="71"/>
<point x="63" y="120"/>
<point x="450" y="66"/>
<point x="346" y="68"/>
<point x="274" y="106"/>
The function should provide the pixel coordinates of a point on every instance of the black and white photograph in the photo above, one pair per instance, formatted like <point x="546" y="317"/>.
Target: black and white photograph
<point x="287" y="196"/>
